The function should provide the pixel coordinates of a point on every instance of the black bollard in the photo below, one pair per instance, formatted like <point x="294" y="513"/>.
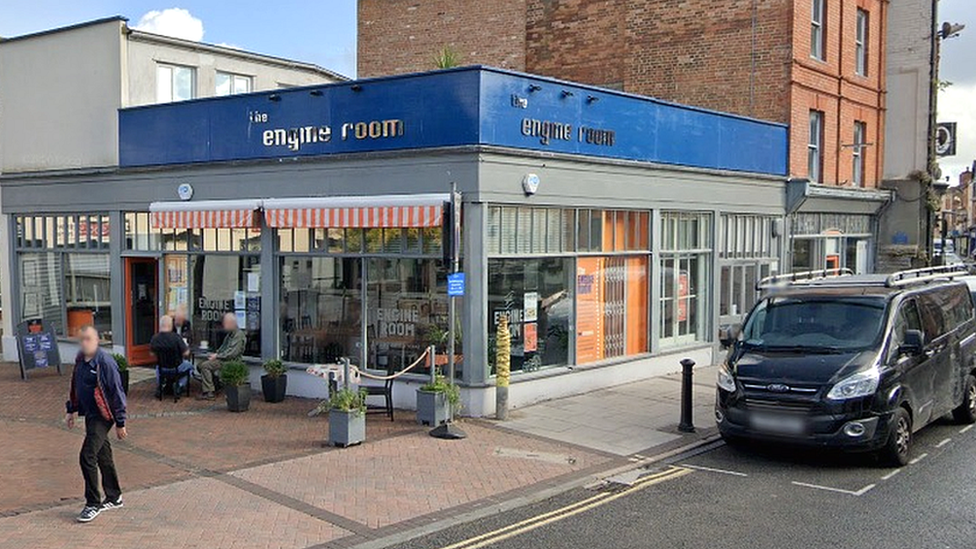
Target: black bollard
<point x="686" y="425"/>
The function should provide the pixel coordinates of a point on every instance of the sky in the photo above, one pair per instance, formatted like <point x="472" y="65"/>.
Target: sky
<point x="324" y="32"/>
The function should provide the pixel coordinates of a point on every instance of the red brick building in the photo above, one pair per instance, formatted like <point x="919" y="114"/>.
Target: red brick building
<point x="817" y="65"/>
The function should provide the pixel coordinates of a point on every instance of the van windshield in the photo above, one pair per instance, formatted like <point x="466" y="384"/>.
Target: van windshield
<point x="816" y="324"/>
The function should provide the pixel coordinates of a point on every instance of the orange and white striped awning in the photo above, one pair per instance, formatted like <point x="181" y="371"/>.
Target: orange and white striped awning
<point x="389" y="211"/>
<point x="206" y="214"/>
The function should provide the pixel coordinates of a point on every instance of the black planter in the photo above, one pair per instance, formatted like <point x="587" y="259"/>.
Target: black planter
<point x="125" y="380"/>
<point x="274" y="387"/>
<point x="238" y="397"/>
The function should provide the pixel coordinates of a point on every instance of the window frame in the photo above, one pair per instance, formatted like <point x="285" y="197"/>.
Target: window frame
<point x="233" y="79"/>
<point x="815" y="146"/>
<point x="172" y="68"/>
<point x="857" y="164"/>
<point x="861" y="34"/>
<point x="818" y="30"/>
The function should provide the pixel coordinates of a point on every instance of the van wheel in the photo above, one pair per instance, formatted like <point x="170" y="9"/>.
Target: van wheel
<point x="966" y="412"/>
<point x="898" y="449"/>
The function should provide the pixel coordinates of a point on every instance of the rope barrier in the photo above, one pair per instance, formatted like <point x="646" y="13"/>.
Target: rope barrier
<point x="398" y="374"/>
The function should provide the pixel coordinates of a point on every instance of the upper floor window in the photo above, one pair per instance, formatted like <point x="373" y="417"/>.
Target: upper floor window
<point x="861" y="43"/>
<point x="229" y="83"/>
<point x="818" y="46"/>
<point x="815" y="146"/>
<point x="860" y="133"/>
<point x="175" y="83"/>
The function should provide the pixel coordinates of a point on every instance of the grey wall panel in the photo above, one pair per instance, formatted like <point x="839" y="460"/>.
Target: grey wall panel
<point x="620" y="185"/>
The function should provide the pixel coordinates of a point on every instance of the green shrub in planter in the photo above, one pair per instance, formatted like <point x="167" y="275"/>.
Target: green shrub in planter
<point x="437" y="402"/>
<point x="123" y="370"/>
<point x="347" y="417"/>
<point x="234" y="375"/>
<point x="274" y="382"/>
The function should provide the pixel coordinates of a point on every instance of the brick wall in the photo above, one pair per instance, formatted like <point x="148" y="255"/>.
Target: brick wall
<point x="402" y="36"/>
<point x="578" y="40"/>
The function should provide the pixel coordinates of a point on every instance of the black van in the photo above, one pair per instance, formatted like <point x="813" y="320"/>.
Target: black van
<point x="859" y="363"/>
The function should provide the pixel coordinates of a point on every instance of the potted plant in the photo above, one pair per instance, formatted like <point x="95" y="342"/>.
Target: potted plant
<point x="347" y="417"/>
<point x="123" y="370"/>
<point x="437" y="402"/>
<point x="234" y="374"/>
<point x="274" y="381"/>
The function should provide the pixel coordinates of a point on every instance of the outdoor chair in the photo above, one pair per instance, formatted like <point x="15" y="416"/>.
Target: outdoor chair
<point x="170" y="377"/>
<point x="385" y="391"/>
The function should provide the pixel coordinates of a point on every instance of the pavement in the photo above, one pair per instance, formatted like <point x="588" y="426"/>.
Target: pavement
<point x="196" y="475"/>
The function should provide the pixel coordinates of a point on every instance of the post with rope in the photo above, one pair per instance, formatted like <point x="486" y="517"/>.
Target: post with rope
<point x="503" y="367"/>
<point x="451" y="243"/>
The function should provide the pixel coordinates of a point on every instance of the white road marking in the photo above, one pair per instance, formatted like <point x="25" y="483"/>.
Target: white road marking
<point x="891" y="474"/>
<point x="964" y="429"/>
<point x="712" y="470"/>
<point x="918" y="459"/>
<point x="860" y="492"/>
<point x="943" y="442"/>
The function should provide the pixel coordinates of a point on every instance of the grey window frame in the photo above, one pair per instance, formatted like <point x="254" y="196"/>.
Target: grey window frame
<point x="815" y="146"/>
<point x="861" y="35"/>
<point x="818" y="30"/>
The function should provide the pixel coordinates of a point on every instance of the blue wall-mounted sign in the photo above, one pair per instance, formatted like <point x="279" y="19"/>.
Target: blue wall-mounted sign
<point x="467" y="106"/>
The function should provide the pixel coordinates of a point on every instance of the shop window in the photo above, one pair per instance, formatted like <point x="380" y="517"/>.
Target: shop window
<point x="407" y="312"/>
<point x="685" y="279"/>
<point x="87" y="293"/>
<point x="216" y="285"/>
<point x="72" y="231"/>
<point x="40" y="289"/>
<point x="529" y="231"/>
<point x="612" y="307"/>
<point x="803" y="255"/>
<point x="537" y="296"/>
<point x="321" y="309"/>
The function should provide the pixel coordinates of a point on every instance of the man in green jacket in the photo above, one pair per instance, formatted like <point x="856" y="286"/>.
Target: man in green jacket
<point x="231" y="349"/>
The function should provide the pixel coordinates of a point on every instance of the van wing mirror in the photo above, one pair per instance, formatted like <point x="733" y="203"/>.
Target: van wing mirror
<point x="913" y="344"/>
<point x="728" y="334"/>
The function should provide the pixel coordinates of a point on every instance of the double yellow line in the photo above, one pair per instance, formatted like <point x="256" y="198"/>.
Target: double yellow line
<point x="592" y="502"/>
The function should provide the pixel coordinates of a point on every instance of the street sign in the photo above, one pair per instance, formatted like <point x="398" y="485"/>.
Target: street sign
<point x="455" y="284"/>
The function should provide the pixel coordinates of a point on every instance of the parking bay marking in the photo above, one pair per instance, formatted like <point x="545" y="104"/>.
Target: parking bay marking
<point x="860" y="492"/>
<point x="918" y="459"/>
<point x="964" y="429"/>
<point x="891" y="474"/>
<point x="943" y="442"/>
<point x="527" y="525"/>
<point x="713" y="470"/>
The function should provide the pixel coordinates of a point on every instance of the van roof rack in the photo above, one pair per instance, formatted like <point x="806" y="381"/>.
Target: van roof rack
<point x="801" y="277"/>
<point x="925" y="274"/>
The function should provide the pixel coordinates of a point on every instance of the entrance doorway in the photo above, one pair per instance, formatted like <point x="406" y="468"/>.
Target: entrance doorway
<point x="141" y="308"/>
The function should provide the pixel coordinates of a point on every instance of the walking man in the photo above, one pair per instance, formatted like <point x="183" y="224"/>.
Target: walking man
<point x="96" y="393"/>
<point x="231" y="349"/>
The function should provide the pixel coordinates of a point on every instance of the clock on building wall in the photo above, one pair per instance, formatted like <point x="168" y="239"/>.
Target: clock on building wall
<point x="185" y="191"/>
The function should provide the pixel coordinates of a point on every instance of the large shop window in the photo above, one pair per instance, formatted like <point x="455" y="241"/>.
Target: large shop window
<point x="209" y="286"/>
<point x="603" y="276"/>
<point x="748" y="252"/>
<point x="140" y="235"/>
<point x="537" y="296"/>
<point x="63" y="267"/>
<point x="686" y="244"/>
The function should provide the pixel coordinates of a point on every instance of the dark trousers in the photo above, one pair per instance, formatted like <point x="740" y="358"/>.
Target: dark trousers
<point x="95" y="457"/>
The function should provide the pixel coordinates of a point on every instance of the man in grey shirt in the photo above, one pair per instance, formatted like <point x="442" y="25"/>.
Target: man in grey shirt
<point x="231" y="349"/>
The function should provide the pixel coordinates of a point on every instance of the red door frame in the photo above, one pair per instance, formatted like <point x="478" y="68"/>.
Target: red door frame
<point x="138" y="355"/>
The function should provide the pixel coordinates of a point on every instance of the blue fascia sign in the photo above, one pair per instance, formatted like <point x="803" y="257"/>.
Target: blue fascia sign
<point x="466" y="106"/>
<point x="455" y="284"/>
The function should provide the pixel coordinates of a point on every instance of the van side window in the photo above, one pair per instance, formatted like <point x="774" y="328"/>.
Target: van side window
<point x="958" y="306"/>
<point x="933" y="318"/>
<point x="906" y="319"/>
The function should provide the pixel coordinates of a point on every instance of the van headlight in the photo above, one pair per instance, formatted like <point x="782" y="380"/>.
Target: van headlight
<point x="725" y="380"/>
<point x="860" y="384"/>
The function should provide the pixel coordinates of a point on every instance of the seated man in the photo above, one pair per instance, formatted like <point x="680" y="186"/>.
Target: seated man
<point x="231" y="349"/>
<point x="171" y="352"/>
<point x="182" y="326"/>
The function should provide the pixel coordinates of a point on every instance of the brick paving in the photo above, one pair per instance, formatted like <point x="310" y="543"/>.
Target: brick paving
<point x="195" y="475"/>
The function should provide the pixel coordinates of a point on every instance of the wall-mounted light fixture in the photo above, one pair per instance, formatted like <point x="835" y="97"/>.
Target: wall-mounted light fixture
<point x="316" y="93"/>
<point x="534" y="88"/>
<point x="356" y="88"/>
<point x="274" y="97"/>
<point x="567" y="93"/>
<point x="592" y="99"/>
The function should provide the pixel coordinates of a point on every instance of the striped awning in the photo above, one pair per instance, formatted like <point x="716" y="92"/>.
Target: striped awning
<point x="415" y="210"/>
<point x="205" y="214"/>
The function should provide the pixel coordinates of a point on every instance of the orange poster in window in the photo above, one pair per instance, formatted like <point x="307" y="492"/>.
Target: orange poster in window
<point x="530" y="340"/>
<point x="589" y="309"/>
<point x="682" y="294"/>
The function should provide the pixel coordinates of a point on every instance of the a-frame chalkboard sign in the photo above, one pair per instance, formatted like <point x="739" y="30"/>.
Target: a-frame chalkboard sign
<point x="37" y="347"/>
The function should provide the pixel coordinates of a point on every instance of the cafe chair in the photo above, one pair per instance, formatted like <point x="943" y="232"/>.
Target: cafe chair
<point x="385" y="391"/>
<point x="170" y="378"/>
